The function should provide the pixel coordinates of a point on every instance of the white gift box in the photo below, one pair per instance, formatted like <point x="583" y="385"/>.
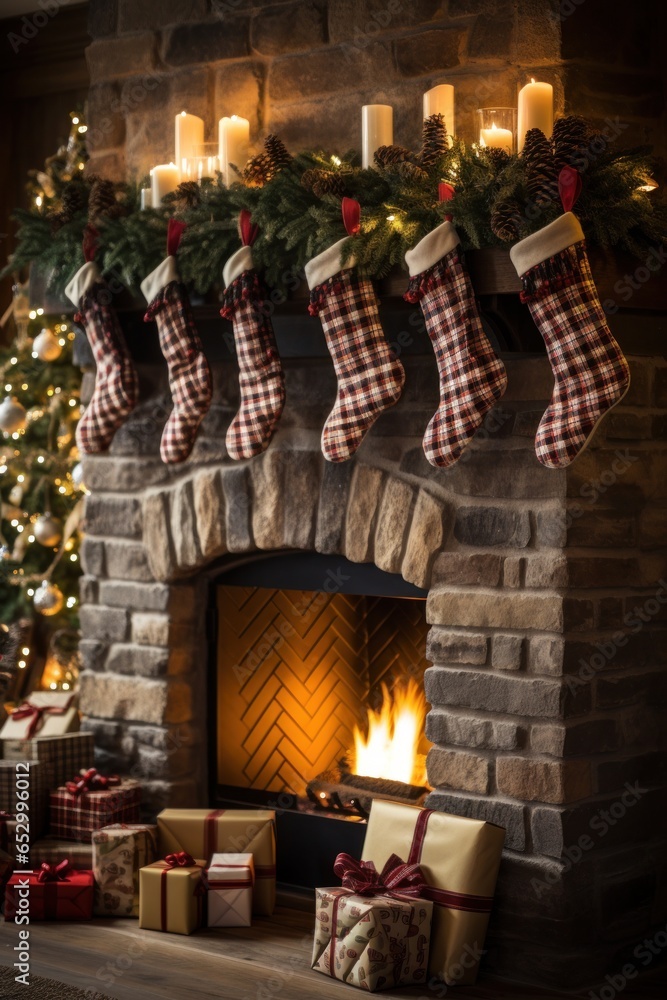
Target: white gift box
<point x="42" y="713"/>
<point x="231" y="878"/>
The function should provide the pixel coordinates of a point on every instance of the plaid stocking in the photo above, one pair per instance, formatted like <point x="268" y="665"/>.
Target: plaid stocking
<point x="591" y="375"/>
<point x="116" y="385"/>
<point x="189" y="378"/>
<point x="472" y="378"/>
<point x="261" y="380"/>
<point x="370" y="377"/>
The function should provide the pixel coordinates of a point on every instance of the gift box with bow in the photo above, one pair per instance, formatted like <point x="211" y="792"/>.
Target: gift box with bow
<point x="172" y="894"/>
<point x="119" y="852"/>
<point x="230" y="882"/>
<point x="52" y="849"/>
<point x="54" y="892"/>
<point x="43" y="713"/>
<point x="459" y="858"/>
<point x="203" y="832"/>
<point x="23" y="801"/>
<point x="66" y="755"/>
<point x="374" y="931"/>
<point x="91" y="801"/>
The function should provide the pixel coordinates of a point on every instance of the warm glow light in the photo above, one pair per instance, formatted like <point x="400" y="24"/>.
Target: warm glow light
<point x="25" y="650"/>
<point x="649" y="184"/>
<point x="20" y="479"/>
<point x="22" y="664"/>
<point x="30" y="592"/>
<point x="390" y="218"/>
<point x="40" y="312"/>
<point x="390" y="750"/>
<point x="32" y="314"/>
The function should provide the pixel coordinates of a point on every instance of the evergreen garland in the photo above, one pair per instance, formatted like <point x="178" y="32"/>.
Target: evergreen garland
<point x="295" y="201"/>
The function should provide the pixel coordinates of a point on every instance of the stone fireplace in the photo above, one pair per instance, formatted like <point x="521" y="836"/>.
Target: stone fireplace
<point x="542" y="593"/>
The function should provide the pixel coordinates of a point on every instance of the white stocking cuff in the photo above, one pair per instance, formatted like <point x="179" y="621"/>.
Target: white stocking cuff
<point x="325" y="265"/>
<point x="547" y="242"/>
<point x="159" y="278"/>
<point x="238" y="263"/>
<point x="432" y="248"/>
<point x="82" y="281"/>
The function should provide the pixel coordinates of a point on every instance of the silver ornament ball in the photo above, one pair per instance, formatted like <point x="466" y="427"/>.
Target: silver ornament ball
<point x="48" y="530"/>
<point x="48" y="599"/>
<point x="12" y="415"/>
<point x="46" y="346"/>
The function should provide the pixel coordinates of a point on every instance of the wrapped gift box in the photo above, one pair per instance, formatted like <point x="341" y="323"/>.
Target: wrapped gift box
<point x="51" y="850"/>
<point x="67" y="754"/>
<point x="119" y="852"/>
<point x="61" y="895"/>
<point x="459" y="858"/>
<point x="231" y="878"/>
<point x="6" y="867"/>
<point x="202" y="833"/>
<point x="172" y="894"/>
<point x="375" y="943"/>
<point x="43" y="713"/>
<point x="24" y="789"/>
<point x="74" y="815"/>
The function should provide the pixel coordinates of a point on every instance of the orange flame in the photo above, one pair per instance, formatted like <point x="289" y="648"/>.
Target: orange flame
<point x="391" y="748"/>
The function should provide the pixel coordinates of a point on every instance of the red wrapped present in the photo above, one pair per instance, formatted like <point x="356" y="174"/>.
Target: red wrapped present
<point x="54" y="892"/>
<point x="91" y="801"/>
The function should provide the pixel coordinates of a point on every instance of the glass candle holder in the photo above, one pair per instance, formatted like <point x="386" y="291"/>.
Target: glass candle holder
<point x="204" y="163"/>
<point x="497" y="128"/>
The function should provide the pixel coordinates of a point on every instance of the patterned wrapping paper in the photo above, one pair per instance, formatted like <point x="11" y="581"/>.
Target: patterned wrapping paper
<point x="42" y="713"/>
<point x="373" y="943"/>
<point x="459" y="858"/>
<point x="203" y="832"/>
<point x="230" y="879"/>
<point x="119" y="852"/>
<point x="51" y="850"/>
<point x="172" y="899"/>
<point x="75" y="817"/>
<point x="67" y="754"/>
<point x="38" y="775"/>
<point x="69" y="898"/>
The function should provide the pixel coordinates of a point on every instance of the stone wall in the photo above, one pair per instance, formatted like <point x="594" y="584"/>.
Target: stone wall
<point x="545" y="697"/>
<point x="303" y="69"/>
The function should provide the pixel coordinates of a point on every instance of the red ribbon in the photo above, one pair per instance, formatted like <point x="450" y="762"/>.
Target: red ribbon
<point x="396" y="878"/>
<point x="49" y="876"/>
<point x="247" y="231"/>
<point x="35" y="712"/>
<point x="569" y="187"/>
<point x="90" y="238"/>
<point x="175" y="230"/>
<point x="443" y="897"/>
<point x="4" y="829"/>
<point x="91" y="781"/>
<point x="445" y="193"/>
<point x="211" y="832"/>
<point x="180" y="859"/>
<point x="351" y="215"/>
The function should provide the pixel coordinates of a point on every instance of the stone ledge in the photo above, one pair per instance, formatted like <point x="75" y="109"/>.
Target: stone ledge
<point x="116" y="697"/>
<point x="494" y="609"/>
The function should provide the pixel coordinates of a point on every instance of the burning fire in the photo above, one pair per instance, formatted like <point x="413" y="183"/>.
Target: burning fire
<point x="391" y="748"/>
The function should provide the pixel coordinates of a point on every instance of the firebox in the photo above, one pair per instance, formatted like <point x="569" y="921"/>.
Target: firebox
<point x="319" y="705"/>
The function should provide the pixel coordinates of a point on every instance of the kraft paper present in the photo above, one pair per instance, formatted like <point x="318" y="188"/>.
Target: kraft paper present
<point x="171" y="899"/>
<point x="230" y="882"/>
<point x="67" y="754"/>
<point x="43" y="713"/>
<point x="119" y="852"/>
<point x="374" y="943"/>
<point x="203" y="832"/>
<point x="459" y="858"/>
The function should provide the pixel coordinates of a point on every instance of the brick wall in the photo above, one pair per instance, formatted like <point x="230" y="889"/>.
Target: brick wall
<point x="303" y="69"/>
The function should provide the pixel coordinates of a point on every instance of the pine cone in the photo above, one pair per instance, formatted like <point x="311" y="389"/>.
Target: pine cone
<point x="257" y="171"/>
<point x="387" y="156"/>
<point x="102" y="201"/>
<point x="73" y="201"/>
<point x="186" y="195"/>
<point x="322" y="182"/>
<point x="571" y="135"/>
<point x="410" y="171"/>
<point x="496" y="158"/>
<point x="541" y="175"/>
<point x="277" y="152"/>
<point x="506" y="220"/>
<point x="434" y="141"/>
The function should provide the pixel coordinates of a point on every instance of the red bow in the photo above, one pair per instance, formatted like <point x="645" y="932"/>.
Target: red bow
<point x="396" y="878"/>
<point x="180" y="860"/>
<point x="27" y="709"/>
<point x="53" y="873"/>
<point x="91" y="781"/>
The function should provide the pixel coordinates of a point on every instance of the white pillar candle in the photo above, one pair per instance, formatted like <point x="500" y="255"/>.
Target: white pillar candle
<point x="189" y="136"/>
<point x="377" y="129"/>
<point x="233" y="145"/>
<point x="146" y="198"/>
<point x="536" y="110"/>
<point x="440" y="101"/>
<point x="164" y="178"/>
<point x="496" y="138"/>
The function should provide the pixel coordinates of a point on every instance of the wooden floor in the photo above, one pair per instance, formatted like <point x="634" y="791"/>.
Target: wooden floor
<point x="269" y="961"/>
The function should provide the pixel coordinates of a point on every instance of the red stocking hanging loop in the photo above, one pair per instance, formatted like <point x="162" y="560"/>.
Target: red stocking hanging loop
<point x="445" y="193"/>
<point x="351" y="215"/>
<point x="175" y="230"/>
<point x="247" y="231"/>
<point x="569" y="187"/>
<point x="90" y="238"/>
